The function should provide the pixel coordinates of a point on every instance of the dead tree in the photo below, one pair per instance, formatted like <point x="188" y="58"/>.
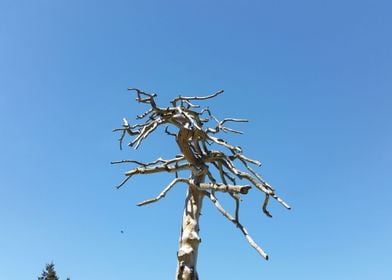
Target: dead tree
<point x="199" y="156"/>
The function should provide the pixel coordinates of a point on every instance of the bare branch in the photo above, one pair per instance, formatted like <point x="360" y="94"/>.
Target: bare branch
<point x="124" y="130"/>
<point x="232" y="120"/>
<point x="149" y="111"/>
<point x="212" y="156"/>
<point x="178" y="158"/>
<point x="237" y="223"/>
<point x="120" y="140"/>
<point x="223" y="174"/>
<point x="156" y="169"/>
<point x="237" y="206"/>
<point x="145" y="132"/>
<point x="129" y="129"/>
<point x="257" y="175"/>
<point x="181" y="98"/>
<point x="189" y="104"/>
<point x="265" y="203"/>
<point x="227" y="129"/>
<point x="123" y="182"/>
<point x="219" y="125"/>
<point x="163" y="193"/>
<point x="242" y="157"/>
<point x="281" y="201"/>
<point x="222" y="142"/>
<point x="219" y="159"/>
<point x="209" y="175"/>
<point x="141" y="93"/>
<point x="243" y="189"/>
<point x="243" y="175"/>
<point x="209" y="114"/>
<point x="190" y="118"/>
<point x="168" y="132"/>
<point x="259" y="182"/>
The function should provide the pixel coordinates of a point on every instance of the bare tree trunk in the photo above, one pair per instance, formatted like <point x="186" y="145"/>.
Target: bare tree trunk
<point x="189" y="237"/>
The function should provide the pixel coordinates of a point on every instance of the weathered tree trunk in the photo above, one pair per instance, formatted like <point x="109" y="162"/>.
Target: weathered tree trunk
<point x="189" y="237"/>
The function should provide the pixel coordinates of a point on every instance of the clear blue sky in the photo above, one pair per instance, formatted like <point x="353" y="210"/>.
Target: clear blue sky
<point x="315" y="78"/>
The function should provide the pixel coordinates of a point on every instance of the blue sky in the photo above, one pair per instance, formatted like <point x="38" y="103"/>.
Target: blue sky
<point x="314" y="78"/>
